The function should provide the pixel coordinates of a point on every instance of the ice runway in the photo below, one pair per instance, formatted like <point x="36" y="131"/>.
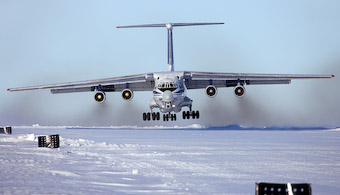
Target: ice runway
<point x="182" y="161"/>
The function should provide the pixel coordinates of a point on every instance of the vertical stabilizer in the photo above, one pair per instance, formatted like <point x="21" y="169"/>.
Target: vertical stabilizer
<point x="169" y="27"/>
<point x="170" y="48"/>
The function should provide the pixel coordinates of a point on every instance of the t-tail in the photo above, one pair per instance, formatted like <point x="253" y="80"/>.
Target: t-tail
<point x="169" y="26"/>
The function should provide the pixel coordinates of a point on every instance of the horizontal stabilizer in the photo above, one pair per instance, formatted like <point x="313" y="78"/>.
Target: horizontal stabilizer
<point x="168" y="25"/>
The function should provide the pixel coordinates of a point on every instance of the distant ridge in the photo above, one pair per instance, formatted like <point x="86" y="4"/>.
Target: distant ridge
<point x="189" y="127"/>
<point x="292" y="128"/>
<point x="214" y="128"/>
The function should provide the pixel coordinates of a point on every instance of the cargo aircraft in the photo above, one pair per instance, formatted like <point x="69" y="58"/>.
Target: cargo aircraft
<point x="169" y="88"/>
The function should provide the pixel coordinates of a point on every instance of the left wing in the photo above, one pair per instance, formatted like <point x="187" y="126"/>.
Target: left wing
<point x="199" y="80"/>
<point x="140" y="82"/>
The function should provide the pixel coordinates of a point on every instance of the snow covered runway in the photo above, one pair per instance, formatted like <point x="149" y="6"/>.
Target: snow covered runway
<point x="158" y="161"/>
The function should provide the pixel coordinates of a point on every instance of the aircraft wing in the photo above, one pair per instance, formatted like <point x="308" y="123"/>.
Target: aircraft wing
<point x="140" y="82"/>
<point x="199" y="80"/>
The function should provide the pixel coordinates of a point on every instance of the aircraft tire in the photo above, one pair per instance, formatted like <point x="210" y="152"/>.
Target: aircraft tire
<point x="197" y="114"/>
<point x="148" y="116"/>
<point x="193" y="114"/>
<point x="158" y="116"/>
<point x="173" y="117"/>
<point x="188" y="114"/>
<point x="144" y="116"/>
<point x="165" y="117"/>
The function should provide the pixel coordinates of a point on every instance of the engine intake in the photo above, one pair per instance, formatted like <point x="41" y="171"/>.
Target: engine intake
<point x="239" y="91"/>
<point x="100" y="97"/>
<point x="211" y="91"/>
<point x="127" y="94"/>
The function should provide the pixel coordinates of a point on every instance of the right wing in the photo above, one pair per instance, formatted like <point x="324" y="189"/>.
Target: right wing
<point x="140" y="82"/>
<point x="200" y="80"/>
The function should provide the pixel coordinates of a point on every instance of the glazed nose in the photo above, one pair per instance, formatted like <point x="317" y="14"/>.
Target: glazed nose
<point x="167" y="96"/>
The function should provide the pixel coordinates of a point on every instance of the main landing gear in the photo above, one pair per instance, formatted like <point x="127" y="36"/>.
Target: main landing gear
<point x="192" y="114"/>
<point x="156" y="116"/>
<point x="151" y="116"/>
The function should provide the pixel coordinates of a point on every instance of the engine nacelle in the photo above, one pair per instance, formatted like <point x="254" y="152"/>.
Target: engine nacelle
<point x="239" y="91"/>
<point x="100" y="97"/>
<point x="127" y="94"/>
<point x="211" y="91"/>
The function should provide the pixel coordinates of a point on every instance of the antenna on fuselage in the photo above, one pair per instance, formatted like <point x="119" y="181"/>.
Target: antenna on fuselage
<point x="169" y="26"/>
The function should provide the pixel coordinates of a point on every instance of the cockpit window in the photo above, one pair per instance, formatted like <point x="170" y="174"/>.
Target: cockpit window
<point x="171" y="86"/>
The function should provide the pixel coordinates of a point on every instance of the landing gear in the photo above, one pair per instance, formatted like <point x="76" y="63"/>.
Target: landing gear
<point x="155" y="116"/>
<point x="167" y="117"/>
<point x="193" y="114"/>
<point x="151" y="116"/>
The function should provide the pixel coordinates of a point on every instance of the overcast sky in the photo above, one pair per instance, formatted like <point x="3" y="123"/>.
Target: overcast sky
<point x="43" y="42"/>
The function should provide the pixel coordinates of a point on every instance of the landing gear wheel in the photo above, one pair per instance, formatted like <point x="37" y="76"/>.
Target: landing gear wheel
<point x="144" y="116"/>
<point x="148" y="116"/>
<point x="173" y="117"/>
<point x="188" y="114"/>
<point x="165" y="117"/>
<point x="193" y="114"/>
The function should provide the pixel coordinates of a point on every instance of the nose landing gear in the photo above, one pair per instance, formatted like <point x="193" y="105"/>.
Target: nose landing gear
<point x="167" y="117"/>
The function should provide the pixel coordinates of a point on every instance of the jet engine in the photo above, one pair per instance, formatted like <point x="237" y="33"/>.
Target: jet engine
<point x="211" y="91"/>
<point x="127" y="94"/>
<point x="239" y="91"/>
<point x="100" y="97"/>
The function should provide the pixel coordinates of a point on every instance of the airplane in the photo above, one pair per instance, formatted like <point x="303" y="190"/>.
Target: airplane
<point x="169" y="88"/>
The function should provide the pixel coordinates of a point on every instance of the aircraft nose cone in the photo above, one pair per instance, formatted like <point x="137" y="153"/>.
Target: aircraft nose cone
<point x="167" y="96"/>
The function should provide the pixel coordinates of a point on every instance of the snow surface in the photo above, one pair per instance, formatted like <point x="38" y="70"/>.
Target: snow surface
<point x="161" y="161"/>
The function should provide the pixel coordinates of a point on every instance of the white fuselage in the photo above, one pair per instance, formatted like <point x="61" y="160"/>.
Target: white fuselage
<point x="169" y="93"/>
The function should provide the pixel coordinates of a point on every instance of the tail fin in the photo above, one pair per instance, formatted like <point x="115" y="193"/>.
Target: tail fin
<point x="169" y="26"/>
